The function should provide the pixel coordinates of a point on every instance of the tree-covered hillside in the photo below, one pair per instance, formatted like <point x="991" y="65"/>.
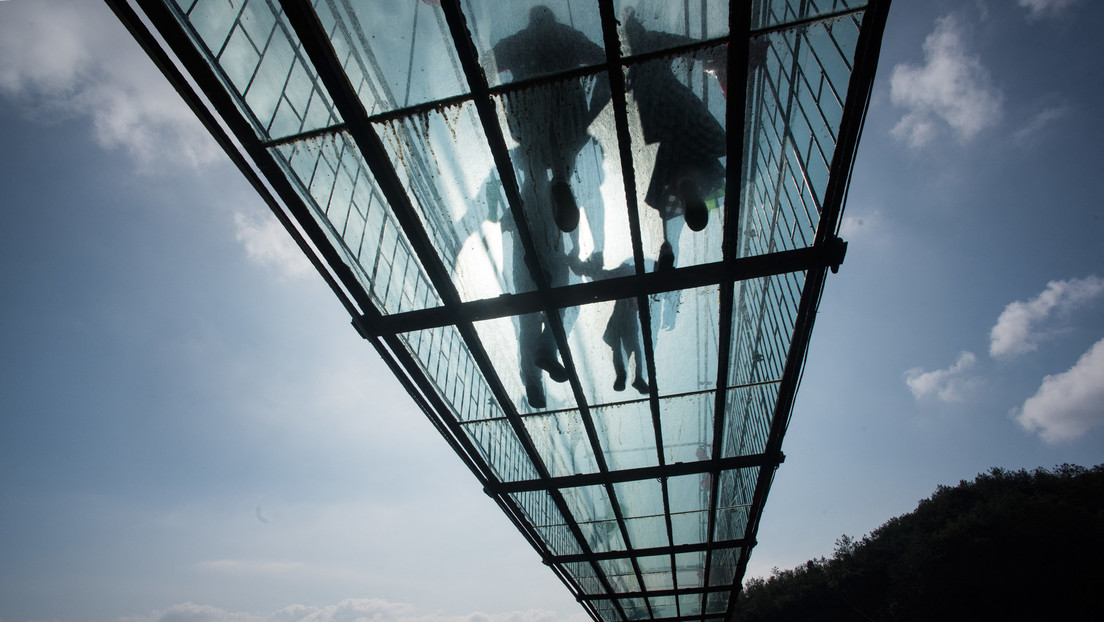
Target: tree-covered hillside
<point x="1006" y="546"/>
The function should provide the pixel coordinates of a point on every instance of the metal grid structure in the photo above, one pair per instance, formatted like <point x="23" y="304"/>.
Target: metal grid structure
<point x="379" y="132"/>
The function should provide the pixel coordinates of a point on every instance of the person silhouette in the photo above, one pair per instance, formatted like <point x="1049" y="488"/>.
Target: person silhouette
<point x="622" y="332"/>
<point x="690" y="140"/>
<point x="550" y="121"/>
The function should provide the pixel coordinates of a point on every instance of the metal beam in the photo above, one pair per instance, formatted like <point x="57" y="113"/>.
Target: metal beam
<point x="631" y="475"/>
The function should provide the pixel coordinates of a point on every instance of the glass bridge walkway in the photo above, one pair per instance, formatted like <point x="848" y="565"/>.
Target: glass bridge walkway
<point x="524" y="206"/>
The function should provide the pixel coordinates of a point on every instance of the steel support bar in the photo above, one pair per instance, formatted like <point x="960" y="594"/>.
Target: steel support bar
<point x="658" y="550"/>
<point x="578" y="294"/>
<point x="713" y="589"/>
<point x="632" y="475"/>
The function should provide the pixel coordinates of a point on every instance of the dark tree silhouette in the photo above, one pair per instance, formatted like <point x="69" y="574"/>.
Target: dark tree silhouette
<point x="1009" y="545"/>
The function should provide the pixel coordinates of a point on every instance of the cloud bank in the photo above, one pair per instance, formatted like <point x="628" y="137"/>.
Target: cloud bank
<point x="350" y="610"/>
<point x="947" y="385"/>
<point x="1017" y="328"/>
<point x="72" y="58"/>
<point x="952" y="89"/>
<point x="1068" y="404"/>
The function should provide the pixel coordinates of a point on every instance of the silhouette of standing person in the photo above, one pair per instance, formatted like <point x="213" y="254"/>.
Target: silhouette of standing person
<point x="550" y="121"/>
<point x="550" y="124"/>
<point x="691" y="141"/>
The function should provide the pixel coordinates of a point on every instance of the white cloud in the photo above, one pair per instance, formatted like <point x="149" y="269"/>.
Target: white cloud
<point x="1068" y="404"/>
<point x="1041" y="8"/>
<point x="1041" y="120"/>
<point x="952" y="89"/>
<point x="948" y="385"/>
<point x="866" y="226"/>
<point x="68" y="58"/>
<point x="1016" y="329"/>
<point x="349" y="610"/>
<point x="267" y="243"/>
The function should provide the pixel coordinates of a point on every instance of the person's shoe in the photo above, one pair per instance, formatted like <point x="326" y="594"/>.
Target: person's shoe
<point x="666" y="260"/>
<point x="697" y="216"/>
<point x="619" y="382"/>
<point x="641" y="385"/>
<point x="565" y="210"/>
<point x="535" y="394"/>
<point x="548" y="363"/>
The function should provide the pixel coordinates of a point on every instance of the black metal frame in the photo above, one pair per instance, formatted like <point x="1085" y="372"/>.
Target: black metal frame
<point x="202" y="88"/>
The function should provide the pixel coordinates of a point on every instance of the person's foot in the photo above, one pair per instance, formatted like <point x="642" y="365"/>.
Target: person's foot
<point x="697" y="216"/>
<point x="666" y="260"/>
<point x="641" y="385"/>
<point x="535" y="394"/>
<point x="564" y="209"/>
<point x="548" y="363"/>
<point x="619" y="381"/>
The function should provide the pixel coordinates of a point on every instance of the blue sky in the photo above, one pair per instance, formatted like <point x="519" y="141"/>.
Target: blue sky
<point x="191" y="429"/>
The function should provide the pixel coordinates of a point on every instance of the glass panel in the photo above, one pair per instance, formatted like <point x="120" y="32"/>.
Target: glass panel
<point x="561" y="440"/>
<point x="539" y="507"/>
<point x="687" y="427"/>
<point x="635" y="608"/>
<point x="397" y="53"/>
<point x="690" y="572"/>
<point x="620" y="574"/>
<point x="685" y="338"/>
<point x="689" y="604"/>
<point x="590" y="506"/>
<point x="764" y="316"/>
<point x="676" y="112"/>
<point x="716" y="602"/>
<point x="689" y="502"/>
<point x="447" y="169"/>
<point x="735" y="493"/>
<point x="748" y="415"/>
<point x="608" y="350"/>
<point x="768" y="13"/>
<point x="656" y="570"/>
<point x="447" y="362"/>
<point x="721" y="572"/>
<point x="336" y="183"/>
<point x="662" y="606"/>
<point x="650" y="26"/>
<point x="584" y="574"/>
<point x="260" y="59"/>
<point x="500" y="448"/>
<point x="563" y="148"/>
<point x="796" y="88"/>
<point x="524" y="39"/>
<point x="626" y="434"/>
<point x="522" y="349"/>
<point x="642" y="506"/>
<point x="607" y="611"/>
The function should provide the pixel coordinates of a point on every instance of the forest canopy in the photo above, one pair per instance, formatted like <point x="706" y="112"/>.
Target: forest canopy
<point x="1011" y="545"/>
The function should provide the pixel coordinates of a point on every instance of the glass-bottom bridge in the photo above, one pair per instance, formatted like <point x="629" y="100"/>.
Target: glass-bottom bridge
<point x="525" y="208"/>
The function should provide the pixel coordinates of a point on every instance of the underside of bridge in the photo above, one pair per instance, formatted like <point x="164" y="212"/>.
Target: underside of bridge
<point x="524" y="207"/>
